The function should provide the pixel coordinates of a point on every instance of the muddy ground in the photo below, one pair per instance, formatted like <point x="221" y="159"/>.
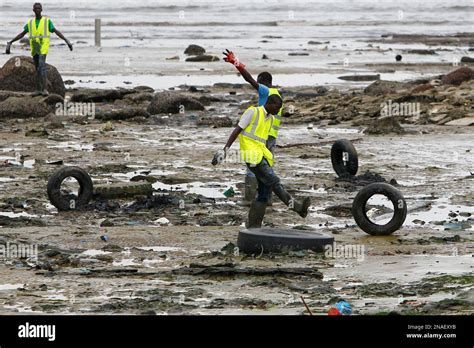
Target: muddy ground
<point x="189" y="265"/>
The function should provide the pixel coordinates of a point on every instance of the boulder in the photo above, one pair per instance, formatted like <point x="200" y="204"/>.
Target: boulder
<point x="4" y="95"/>
<point x="18" y="74"/>
<point x="169" y="102"/>
<point x="194" y="50"/>
<point x="137" y="98"/>
<point x="144" y="89"/>
<point x="24" y="107"/>
<point x="215" y="122"/>
<point x="37" y="132"/>
<point x="228" y="85"/>
<point x="467" y="60"/>
<point x="53" y="99"/>
<point x="385" y="125"/>
<point x="360" y="77"/>
<point x="209" y="99"/>
<point x="422" y="88"/>
<point x="122" y="112"/>
<point x="382" y="87"/>
<point x="298" y="54"/>
<point x="88" y="95"/>
<point x="458" y="76"/>
<point x="421" y="51"/>
<point x="203" y="58"/>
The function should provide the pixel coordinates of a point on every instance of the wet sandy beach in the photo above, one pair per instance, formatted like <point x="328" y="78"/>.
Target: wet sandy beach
<point x="426" y="267"/>
<point x="174" y="252"/>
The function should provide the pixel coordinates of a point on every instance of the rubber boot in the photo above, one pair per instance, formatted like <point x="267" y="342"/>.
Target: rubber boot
<point x="38" y="84"/>
<point x="270" y="199"/>
<point x="44" y="82"/>
<point x="256" y="214"/>
<point x="299" y="206"/>
<point x="250" y="190"/>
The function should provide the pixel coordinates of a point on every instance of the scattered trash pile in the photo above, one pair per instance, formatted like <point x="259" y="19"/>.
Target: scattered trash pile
<point x="113" y="211"/>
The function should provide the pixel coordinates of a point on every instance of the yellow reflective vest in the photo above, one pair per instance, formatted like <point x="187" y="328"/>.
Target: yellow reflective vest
<point x="254" y="137"/>
<point x="39" y="36"/>
<point x="276" y="123"/>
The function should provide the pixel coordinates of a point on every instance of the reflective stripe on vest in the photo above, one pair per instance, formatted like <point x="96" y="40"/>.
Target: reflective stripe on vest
<point x="276" y="125"/>
<point x="32" y="27"/>
<point x="252" y="134"/>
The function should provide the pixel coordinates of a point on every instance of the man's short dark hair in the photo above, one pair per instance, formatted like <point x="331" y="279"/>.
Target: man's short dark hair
<point x="275" y="99"/>
<point x="265" y="77"/>
<point x="37" y="4"/>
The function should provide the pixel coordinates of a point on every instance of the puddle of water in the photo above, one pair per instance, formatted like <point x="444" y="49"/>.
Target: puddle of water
<point x="320" y="190"/>
<point x="415" y="180"/>
<point x="56" y="297"/>
<point x="152" y="263"/>
<point x="129" y="175"/>
<point x="11" y="149"/>
<point x="125" y="262"/>
<point x="209" y="190"/>
<point x="12" y="161"/>
<point x="402" y="268"/>
<point x="439" y="211"/>
<point x="95" y="252"/>
<point x="298" y="133"/>
<point x="167" y="81"/>
<point x="19" y="307"/>
<point x="10" y="286"/>
<point x="29" y="163"/>
<point x="15" y="215"/>
<point x="390" y="303"/>
<point x="7" y="179"/>
<point x="67" y="146"/>
<point x="160" y="248"/>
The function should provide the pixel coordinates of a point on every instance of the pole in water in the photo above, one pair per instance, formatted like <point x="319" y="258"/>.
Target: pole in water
<point x="97" y="32"/>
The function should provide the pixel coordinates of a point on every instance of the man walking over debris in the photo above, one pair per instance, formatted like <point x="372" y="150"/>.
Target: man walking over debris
<point x="39" y="29"/>
<point x="253" y="131"/>
<point x="265" y="89"/>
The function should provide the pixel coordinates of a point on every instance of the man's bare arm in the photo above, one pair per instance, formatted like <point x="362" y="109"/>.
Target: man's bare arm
<point x="230" y="58"/>
<point x="220" y="155"/>
<point x="19" y="36"/>
<point x="235" y="133"/>
<point x="60" y="35"/>
<point x="16" y="38"/>
<point x="248" y="77"/>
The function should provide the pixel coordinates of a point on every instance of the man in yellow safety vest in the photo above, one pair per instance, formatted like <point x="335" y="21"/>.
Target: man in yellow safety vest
<point x="265" y="89"/>
<point x="253" y="132"/>
<point x="39" y="29"/>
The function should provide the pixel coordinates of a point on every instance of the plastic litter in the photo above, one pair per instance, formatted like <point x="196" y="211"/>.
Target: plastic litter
<point x="340" y="308"/>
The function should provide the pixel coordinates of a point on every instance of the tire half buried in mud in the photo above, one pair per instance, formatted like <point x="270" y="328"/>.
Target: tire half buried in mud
<point x="360" y="214"/>
<point x="274" y="240"/>
<point x="62" y="202"/>
<point x="344" y="158"/>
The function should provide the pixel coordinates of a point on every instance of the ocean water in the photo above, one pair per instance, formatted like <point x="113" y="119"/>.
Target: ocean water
<point x="149" y="31"/>
<point x="297" y="19"/>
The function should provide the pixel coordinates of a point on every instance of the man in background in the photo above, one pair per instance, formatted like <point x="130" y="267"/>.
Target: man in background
<point x="39" y="30"/>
